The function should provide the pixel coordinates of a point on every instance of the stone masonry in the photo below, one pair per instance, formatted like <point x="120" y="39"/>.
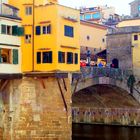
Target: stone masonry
<point x="119" y="47"/>
<point x="34" y="109"/>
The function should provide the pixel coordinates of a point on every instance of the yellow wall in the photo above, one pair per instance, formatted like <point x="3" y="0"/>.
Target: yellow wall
<point x="96" y="34"/>
<point x="56" y="41"/>
<point x="136" y="54"/>
<point x="131" y="22"/>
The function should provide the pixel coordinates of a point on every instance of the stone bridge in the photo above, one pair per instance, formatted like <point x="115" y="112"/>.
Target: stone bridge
<point x="91" y="76"/>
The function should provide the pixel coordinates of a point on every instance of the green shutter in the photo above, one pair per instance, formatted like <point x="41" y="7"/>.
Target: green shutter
<point x="15" y="30"/>
<point x="15" y="56"/>
<point x="3" y="29"/>
<point x="20" y="31"/>
<point x="0" y="56"/>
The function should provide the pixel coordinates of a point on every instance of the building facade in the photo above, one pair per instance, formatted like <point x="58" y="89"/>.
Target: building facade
<point x="10" y="40"/>
<point x="135" y="8"/>
<point x="100" y="14"/>
<point x="51" y="40"/>
<point x="93" y="36"/>
<point x="123" y="48"/>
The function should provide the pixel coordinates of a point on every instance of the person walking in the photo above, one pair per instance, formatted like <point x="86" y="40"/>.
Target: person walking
<point x="88" y="54"/>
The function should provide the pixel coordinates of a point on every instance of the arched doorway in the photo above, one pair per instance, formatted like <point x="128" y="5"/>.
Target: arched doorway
<point x="115" y="62"/>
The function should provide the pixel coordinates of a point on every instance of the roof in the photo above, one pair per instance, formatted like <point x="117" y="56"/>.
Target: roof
<point x="11" y="6"/>
<point x="88" y="23"/>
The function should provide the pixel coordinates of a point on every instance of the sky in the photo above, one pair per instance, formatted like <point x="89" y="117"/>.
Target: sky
<point x="121" y="6"/>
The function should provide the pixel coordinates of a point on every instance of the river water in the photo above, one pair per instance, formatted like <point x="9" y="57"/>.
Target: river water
<point x="102" y="132"/>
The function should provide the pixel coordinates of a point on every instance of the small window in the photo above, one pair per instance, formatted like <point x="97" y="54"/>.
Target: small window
<point x="47" y="29"/>
<point x="38" y="57"/>
<point x="88" y="37"/>
<point x="47" y="57"/>
<point x="3" y="29"/>
<point x="38" y="31"/>
<point x="61" y="57"/>
<point x="68" y="31"/>
<point x="28" y="10"/>
<point x="103" y="40"/>
<point x="69" y="58"/>
<point x="76" y="58"/>
<point x="9" y="30"/>
<point x="135" y="37"/>
<point x="27" y="38"/>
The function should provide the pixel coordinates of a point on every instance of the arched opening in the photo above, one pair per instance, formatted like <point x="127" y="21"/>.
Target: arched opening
<point x="115" y="63"/>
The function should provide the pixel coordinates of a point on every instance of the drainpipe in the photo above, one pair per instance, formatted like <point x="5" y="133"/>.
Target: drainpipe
<point x="33" y="26"/>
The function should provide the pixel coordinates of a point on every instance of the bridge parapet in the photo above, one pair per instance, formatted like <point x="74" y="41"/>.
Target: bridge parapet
<point x="92" y="72"/>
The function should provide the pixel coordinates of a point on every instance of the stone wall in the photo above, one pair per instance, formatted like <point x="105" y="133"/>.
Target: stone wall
<point x="112" y="116"/>
<point x="35" y="109"/>
<point x="119" y="47"/>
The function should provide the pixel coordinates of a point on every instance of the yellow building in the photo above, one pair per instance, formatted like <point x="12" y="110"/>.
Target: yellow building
<point x="136" y="53"/>
<point x="129" y="22"/>
<point x="51" y="41"/>
<point x="93" y="36"/>
<point x="134" y="24"/>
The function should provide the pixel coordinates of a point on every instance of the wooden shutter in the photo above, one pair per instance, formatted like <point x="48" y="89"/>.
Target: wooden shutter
<point x="20" y="31"/>
<point x="3" y="29"/>
<point x="15" y="56"/>
<point x="49" y="29"/>
<point x="76" y="58"/>
<point x="50" y="57"/>
<point x="15" y="30"/>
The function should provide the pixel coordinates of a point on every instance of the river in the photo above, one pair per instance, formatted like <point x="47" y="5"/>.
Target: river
<point x="102" y="132"/>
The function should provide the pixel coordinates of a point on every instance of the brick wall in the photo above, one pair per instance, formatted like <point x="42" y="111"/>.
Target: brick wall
<point x="34" y="109"/>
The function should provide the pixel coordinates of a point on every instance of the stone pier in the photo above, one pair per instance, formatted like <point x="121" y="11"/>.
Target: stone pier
<point x="36" y="108"/>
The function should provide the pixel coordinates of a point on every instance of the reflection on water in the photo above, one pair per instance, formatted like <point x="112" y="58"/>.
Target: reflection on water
<point x="100" y="132"/>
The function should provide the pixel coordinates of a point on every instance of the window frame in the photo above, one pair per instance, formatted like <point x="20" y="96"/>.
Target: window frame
<point x="71" y="59"/>
<point x="28" y="10"/>
<point x="68" y="31"/>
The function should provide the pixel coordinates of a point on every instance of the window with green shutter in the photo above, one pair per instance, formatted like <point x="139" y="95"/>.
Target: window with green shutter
<point x="20" y="31"/>
<point x="15" y="56"/>
<point x="15" y="30"/>
<point x="3" y="29"/>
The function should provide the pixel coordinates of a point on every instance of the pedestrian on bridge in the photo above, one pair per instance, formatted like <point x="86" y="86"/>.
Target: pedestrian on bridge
<point x="88" y="54"/>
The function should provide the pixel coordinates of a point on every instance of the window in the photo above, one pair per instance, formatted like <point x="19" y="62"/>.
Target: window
<point x="27" y="38"/>
<point x="38" y="31"/>
<point x="47" y="57"/>
<point x="9" y="30"/>
<point x="88" y="37"/>
<point x="139" y="7"/>
<point x="47" y="29"/>
<point x="12" y="30"/>
<point x="88" y="16"/>
<point x="76" y="58"/>
<point x="96" y="16"/>
<point x="9" y="56"/>
<point x="103" y="40"/>
<point x="81" y="17"/>
<point x="3" y="29"/>
<point x="70" y="58"/>
<point x="38" y="57"/>
<point x="28" y="10"/>
<point x="61" y="57"/>
<point x="135" y="37"/>
<point x="68" y="31"/>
